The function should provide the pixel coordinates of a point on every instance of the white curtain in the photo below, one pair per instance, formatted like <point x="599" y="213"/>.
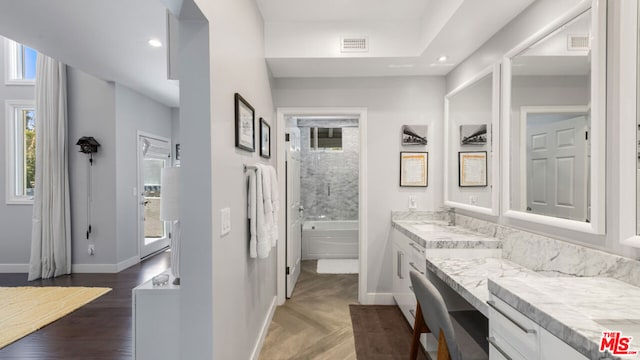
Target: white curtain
<point x="51" y="228"/>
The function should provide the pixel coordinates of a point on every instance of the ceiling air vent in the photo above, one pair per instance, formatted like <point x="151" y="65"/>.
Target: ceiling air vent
<point x="578" y="42"/>
<point x="354" y="44"/>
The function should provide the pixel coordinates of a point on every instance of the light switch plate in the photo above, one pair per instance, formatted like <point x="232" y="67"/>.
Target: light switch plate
<point x="225" y="221"/>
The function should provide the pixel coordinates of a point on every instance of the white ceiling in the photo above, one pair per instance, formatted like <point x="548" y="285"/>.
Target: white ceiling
<point x="455" y="28"/>
<point x="341" y="10"/>
<point x="105" y="38"/>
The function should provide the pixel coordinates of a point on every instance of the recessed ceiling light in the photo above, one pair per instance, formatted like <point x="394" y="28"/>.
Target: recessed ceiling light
<point x="442" y="58"/>
<point x="155" y="43"/>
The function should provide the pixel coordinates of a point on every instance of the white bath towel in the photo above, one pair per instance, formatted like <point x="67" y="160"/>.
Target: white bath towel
<point x="260" y="241"/>
<point x="275" y="200"/>
<point x="252" y="215"/>
<point x="268" y="204"/>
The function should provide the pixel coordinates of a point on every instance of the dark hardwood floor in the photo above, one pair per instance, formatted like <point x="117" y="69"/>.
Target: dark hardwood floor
<point x="100" y="330"/>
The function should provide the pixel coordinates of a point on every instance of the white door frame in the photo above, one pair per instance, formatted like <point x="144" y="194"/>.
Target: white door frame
<point x="361" y="114"/>
<point x="139" y="210"/>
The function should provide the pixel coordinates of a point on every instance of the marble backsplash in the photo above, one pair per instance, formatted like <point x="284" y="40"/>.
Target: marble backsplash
<point x="329" y="179"/>
<point x="544" y="254"/>
<point x="541" y="253"/>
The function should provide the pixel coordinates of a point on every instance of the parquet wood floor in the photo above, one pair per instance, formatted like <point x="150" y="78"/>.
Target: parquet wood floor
<point x="315" y="322"/>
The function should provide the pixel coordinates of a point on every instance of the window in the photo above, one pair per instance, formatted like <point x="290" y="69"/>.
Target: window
<point x="326" y="139"/>
<point x="20" y="64"/>
<point x="21" y="151"/>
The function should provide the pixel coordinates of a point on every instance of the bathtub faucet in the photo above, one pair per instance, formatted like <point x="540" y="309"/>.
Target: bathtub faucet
<point x="452" y="216"/>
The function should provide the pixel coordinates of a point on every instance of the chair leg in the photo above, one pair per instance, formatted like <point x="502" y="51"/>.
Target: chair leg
<point x="443" y="349"/>
<point x="419" y="328"/>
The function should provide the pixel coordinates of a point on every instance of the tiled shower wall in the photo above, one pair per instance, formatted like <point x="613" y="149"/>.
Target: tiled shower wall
<point x="329" y="179"/>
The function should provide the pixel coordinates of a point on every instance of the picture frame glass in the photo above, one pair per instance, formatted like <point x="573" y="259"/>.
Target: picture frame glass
<point x="414" y="169"/>
<point x="245" y="126"/>
<point x="472" y="168"/>
<point x="265" y="139"/>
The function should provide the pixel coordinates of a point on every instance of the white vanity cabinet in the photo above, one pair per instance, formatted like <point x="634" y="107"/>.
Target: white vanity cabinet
<point x="407" y="256"/>
<point x="514" y="336"/>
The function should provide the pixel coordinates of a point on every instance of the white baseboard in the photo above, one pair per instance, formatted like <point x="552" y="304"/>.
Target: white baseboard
<point x="122" y="265"/>
<point x="265" y="329"/>
<point x="14" y="268"/>
<point x="104" y="268"/>
<point x="379" y="299"/>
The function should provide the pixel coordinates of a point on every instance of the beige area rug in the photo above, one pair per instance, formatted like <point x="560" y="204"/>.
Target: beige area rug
<point x="24" y="310"/>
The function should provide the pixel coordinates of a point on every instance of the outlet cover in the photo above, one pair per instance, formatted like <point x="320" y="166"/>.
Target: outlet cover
<point x="225" y="221"/>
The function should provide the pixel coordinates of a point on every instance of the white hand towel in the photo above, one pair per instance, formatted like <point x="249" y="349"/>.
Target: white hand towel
<point x="275" y="200"/>
<point x="252" y="215"/>
<point x="263" y="240"/>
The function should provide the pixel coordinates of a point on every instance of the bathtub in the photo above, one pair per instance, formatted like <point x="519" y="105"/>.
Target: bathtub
<point x="336" y="239"/>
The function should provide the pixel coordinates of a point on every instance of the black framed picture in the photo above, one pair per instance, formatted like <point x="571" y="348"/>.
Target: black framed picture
<point x="473" y="134"/>
<point x="245" y="124"/>
<point x="414" y="169"/>
<point x="472" y="168"/>
<point x="265" y="139"/>
<point x="414" y="135"/>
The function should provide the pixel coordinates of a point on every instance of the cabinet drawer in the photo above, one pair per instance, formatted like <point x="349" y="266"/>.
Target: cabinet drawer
<point x="513" y="332"/>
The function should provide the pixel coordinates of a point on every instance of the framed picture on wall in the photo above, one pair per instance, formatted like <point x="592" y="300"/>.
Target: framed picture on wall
<point x="178" y="152"/>
<point x="414" y="135"/>
<point x="472" y="168"/>
<point x="265" y="139"/>
<point x="473" y="134"/>
<point x="414" y="169"/>
<point x="245" y="124"/>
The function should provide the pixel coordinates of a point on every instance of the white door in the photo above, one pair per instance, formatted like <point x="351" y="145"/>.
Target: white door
<point x="294" y="209"/>
<point x="557" y="168"/>
<point x="153" y="154"/>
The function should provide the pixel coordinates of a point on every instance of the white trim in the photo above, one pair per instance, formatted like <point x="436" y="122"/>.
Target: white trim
<point x="379" y="299"/>
<point x="628" y="62"/>
<point x="104" y="268"/>
<point x="10" y="151"/>
<point x="255" y="354"/>
<point x="125" y="264"/>
<point x="14" y="268"/>
<point x="494" y="127"/>
<point x="361" y="114"/>
<point x="11" y="65"/>
<point x="598" y="121"/>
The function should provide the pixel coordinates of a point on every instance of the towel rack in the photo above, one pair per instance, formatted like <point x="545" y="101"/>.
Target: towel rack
<point x="249" y="167"/>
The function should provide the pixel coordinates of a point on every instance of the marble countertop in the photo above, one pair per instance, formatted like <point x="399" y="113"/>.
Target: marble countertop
<point x="575" y="309"/>
<point x="436" y="234"/>
<point x="469" y="277"/>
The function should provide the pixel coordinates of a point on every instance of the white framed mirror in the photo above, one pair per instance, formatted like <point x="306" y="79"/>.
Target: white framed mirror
<point x="554" y="123"/>
<point x="628" y="61"/>
<point x="472" y="123"/>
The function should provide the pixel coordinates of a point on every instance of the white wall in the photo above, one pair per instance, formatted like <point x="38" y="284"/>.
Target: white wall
<point x="15" y="220"/>
<point x="91" y="112"/>
<point x="226" y="295"/>
<point x="391" y="102"/>
<point x="94" y="106"/>
<point x="134" y="112"/>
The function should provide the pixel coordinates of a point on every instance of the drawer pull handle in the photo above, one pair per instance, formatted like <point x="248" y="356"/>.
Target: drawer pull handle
<point x="413" y="265"/>
<point x="413" y="313"/>
<point x="528" y="331"/>
<point x="420" y="250"/>
<point x="492" y="342"/>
